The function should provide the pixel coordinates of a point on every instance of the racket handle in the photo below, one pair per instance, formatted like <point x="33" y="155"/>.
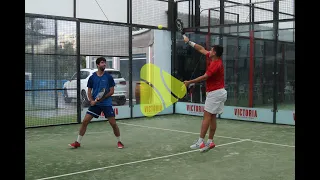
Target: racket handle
<point x="184" y="36"/>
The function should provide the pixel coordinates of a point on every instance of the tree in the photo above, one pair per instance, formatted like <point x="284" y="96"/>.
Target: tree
<point x="33" y="28"/>
<point x="68" y="60"/>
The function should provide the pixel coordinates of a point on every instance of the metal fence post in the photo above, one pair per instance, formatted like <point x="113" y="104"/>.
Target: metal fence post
<point x="78" y="74"/>
<point x="275" y="67"/>
<point x="129" y="21"/>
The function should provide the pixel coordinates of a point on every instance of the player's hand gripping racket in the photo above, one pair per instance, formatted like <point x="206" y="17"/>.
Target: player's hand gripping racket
<point x="101" y="94"/>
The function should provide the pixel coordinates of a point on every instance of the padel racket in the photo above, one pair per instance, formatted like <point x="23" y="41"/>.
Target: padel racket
<point x="101" y="94"/>
<point x="179" y="25"/>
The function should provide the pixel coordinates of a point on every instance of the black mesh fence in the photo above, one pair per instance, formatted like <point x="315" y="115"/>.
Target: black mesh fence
<point x="249" y="41"/>
<point x="213" y="15"/>
<point x="102" y="39"/>
<point x="56" y="49"/>
<point x="237" y="58"/>
<point x="150" y="12"/>
<point x="184" y="12"/>
<point x="286" y="9"/>
<point x="50" y="58"/>
<point x="52" y="63"/>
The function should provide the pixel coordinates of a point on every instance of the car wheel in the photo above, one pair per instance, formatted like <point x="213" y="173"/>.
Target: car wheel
<point x="65" y="96"/>
<point x="121" y="102"/>
<point x="84" y="98"/>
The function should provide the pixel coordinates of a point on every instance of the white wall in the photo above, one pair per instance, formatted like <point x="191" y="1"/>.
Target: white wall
<point x="162" y="56"/>
<point x="162" y="50"/>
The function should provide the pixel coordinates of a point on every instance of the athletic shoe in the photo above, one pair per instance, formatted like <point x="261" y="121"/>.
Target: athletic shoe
<point x="197" y="145"/>
<point x="207" y="147"/>
<point x="120" y="145"/>
<point x="75" y="145"/>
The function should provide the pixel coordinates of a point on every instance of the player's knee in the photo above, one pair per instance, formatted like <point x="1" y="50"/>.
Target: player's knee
<point x="87" y="119"/>
<point x="85" y="122"/>
<point x="207" y="116"/>
<point x="112" y="122"/>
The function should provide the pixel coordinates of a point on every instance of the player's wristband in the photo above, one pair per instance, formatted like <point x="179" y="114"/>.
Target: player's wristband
<point x="191" y="43"/>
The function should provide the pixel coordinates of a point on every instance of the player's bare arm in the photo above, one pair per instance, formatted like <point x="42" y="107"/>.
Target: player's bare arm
<point x="91" y="100"/>
<point x="110" y="93"/>
<point x="197" y="80"/>
<point x="197" y="47"/>
<point x="212" y="69"/>
<point x="90" y="94"/>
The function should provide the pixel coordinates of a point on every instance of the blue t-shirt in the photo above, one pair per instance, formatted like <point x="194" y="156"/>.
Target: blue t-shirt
<point x="97" y="83"/>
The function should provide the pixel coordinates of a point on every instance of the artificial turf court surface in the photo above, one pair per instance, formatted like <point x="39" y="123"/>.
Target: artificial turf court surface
<point x="158" y="148"/>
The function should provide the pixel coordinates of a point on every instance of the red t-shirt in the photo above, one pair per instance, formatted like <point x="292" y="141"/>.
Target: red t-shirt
<point x="215" y="71"/>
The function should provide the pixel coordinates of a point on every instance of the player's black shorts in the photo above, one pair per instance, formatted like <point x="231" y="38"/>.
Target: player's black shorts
<point x="95" y="111"/>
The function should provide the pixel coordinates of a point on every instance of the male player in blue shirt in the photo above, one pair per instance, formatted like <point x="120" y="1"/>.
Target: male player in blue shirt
<point x="99" y="80"/>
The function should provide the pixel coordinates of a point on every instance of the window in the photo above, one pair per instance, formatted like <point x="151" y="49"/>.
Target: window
<point x="84" y="74"/>
<point x="94" y="66"/>
<point x="138" y="61"/>
<point x="74" y="77"/>
<point x="115" y="74"/>
<point x="136" y="67"/>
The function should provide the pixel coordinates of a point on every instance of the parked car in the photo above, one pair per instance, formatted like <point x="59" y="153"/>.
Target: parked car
<point x="27" y="76"/>
<point x="70" y="87"/>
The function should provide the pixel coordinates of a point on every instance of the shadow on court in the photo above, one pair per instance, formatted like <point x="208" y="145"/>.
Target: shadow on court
<point x="158" y="148"/>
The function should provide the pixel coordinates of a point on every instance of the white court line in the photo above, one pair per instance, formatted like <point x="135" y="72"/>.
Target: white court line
<point x="134" y="162"/>
<point x="271" y="143"/>
<point x="174" y="130"/>
<point x="262" y="142"/>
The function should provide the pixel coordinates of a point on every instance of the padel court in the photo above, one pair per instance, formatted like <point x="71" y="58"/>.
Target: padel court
<point x="158" y="148"/>
<point x="258" y="38"/>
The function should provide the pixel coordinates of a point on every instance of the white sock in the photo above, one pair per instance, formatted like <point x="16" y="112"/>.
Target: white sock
<point x="118" y="138"/>
<point x="79" y="138"/>
<point x="200" y="140"/>
<point x="209" y="141"/>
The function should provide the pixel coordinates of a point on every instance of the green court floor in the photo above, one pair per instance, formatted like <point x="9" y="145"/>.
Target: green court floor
<point x="158" y="149"/>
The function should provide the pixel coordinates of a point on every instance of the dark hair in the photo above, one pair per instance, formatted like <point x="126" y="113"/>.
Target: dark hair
<point x="100" y="59"/>
<point x="218" y="49"/>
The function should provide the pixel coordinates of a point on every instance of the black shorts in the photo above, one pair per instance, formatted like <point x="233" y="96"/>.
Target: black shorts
<point x="95" y="111"/>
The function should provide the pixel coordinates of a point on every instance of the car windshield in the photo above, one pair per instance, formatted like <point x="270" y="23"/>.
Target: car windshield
<point x="84" y="74"/>
<point x="115" y="74"/>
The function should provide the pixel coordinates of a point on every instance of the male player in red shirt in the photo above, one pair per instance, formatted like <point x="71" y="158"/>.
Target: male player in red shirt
<point x="216" y="94"/>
